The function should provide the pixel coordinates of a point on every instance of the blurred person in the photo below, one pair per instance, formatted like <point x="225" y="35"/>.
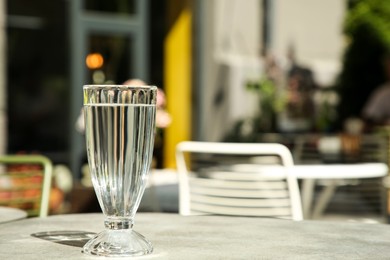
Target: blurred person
<point x="134" y="82"/>
<point x="299" y="88"/>
<point x="376" y="112"/>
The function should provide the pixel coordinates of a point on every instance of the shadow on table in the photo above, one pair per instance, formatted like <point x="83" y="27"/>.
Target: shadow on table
<point x="70" y="238"/>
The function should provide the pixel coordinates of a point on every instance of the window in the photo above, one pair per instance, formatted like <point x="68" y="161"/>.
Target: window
<point x="37" y="76"/>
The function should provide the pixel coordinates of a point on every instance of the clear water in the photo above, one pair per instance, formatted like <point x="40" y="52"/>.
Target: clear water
<point x="119" y="145"/>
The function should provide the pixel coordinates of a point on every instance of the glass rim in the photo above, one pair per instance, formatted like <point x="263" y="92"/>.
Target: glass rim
<point x="118" y="86"/>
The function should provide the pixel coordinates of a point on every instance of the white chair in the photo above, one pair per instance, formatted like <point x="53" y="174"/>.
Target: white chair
<point x="233" y="186"/>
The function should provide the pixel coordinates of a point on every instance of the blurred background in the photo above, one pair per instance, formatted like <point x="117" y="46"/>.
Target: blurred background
<point x="231" y="70"/>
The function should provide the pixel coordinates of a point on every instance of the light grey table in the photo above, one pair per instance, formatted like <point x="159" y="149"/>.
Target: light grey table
<point x="11" y="214"/>
<point x="203" y="237"/>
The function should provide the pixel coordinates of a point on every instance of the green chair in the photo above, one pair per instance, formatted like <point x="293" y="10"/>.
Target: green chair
<point x="25" y="182"/>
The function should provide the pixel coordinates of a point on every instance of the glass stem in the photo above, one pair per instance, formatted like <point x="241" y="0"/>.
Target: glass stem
<point x="117" y="224"/>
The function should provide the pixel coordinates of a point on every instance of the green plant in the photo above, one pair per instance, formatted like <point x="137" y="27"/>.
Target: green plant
<point x="270" y="102"/>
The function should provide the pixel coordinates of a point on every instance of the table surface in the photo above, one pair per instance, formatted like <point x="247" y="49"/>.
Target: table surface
<point x="10" y="214"/>
<point x="203" y="237"/>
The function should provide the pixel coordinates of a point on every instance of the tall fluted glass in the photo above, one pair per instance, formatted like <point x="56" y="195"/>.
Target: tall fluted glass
<point x="119" y="130"/>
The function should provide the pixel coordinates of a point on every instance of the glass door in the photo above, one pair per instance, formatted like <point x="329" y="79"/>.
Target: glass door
<point x="108" y="45"/>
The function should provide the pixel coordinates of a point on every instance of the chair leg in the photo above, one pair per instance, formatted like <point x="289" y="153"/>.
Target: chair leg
<point x="307" y="197"/>
<point x="153" y="203"/>
<point x="324" y="198"/>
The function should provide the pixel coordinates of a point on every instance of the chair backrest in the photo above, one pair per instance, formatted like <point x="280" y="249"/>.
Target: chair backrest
<point x="236" y="179"/>
<point x="25" y="182"/>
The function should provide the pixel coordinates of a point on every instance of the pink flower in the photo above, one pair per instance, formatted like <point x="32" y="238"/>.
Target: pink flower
<point x="161" y="102"/>
<point x="163" y="119"/>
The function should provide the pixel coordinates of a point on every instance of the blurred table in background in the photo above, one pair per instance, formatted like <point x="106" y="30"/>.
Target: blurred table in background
<point x="162" y="191"/>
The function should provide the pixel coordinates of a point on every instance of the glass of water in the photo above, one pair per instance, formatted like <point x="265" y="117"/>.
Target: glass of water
<point x="119" y="130"/>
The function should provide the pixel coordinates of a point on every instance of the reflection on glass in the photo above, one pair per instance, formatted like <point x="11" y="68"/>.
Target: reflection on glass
<point x="112" y="6"/>
<point x="108" y="59"/>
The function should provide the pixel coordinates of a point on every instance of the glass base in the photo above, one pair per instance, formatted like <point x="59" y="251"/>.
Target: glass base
<point x="124" y="242"/>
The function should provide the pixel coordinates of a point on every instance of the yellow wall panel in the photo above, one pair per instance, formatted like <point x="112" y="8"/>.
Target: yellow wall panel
<point x="177" y="84"/>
